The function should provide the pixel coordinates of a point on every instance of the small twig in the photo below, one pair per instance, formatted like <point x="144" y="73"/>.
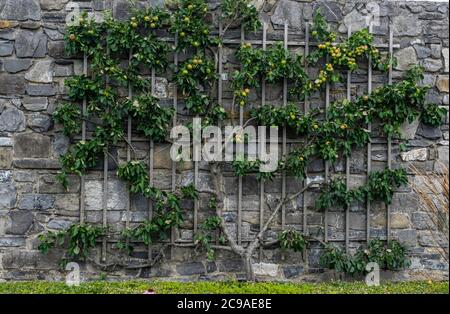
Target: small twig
<point x="112" y="157"/>
<point x="129" y="144"/>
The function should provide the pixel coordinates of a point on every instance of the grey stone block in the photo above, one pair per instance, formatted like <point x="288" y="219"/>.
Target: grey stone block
<point x="12" y="84"/>
<point x="12" y="241"/>
<point x="31" y="145"/>
<point x="6" y="48"/>
<point x="193" y="268"/>
<point x="35" y="260"/>
<point x="20" y="10"/>
<point x="231" y="265"/>
<point x="432" y="65"/>
<point x="403" y="25"/>
<point x="16" y="65"/>
<point x="5" y="176"/>
<point x="35" y="103"/>
<point x="37" y="163"/>
<point x="41" y="72"/>
<point x="421" y="221"/>
<point x="59" y="224"/>
<point x="56" y="49"/>
<point x="20" y="222"/>
<point x="31" y="44"/>
<point x="12" y="120"/>
<point x="60" y="144"/>
<point x="41" y="89"/>
<point x="7" y="195"/>
<point x="50" y="5"/>
<point x="36" y="202"/>
<point x="39" y="122"/>
<point x="5" y="141"/>
<point x="429" y="132"/>
<point x="406" y="236"/>
<point x="292" y="271"/>
<point x="422" y="51"/>
<point x="289" y="12"/>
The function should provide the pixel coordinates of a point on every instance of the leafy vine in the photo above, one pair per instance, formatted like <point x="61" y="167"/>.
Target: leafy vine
<point x="343" y="127"/>
<point x="389" y="257"/>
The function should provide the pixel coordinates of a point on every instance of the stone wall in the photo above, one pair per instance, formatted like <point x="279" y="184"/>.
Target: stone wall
<point x="33" y="68"/>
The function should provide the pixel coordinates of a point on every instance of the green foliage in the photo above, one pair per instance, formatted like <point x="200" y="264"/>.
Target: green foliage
<point x="343" y="127"/>
<point x="189" y="192"/>
<point x="274" y="64"/>
<point x="81" y="86"/>
<point x="381" y="184"/>
<point x="153" y="120"/>
<point x="83" y="36"/>
<point x="205" y="234"/>
<point x="379" y="187"/>
<point x="433" y="115"/>
<point x="394" y="257"/>
<point x="123" y="36"/>
<point x="343" y="55"/>
<point x="389" y="257"/>
<point x="167" y="212"/>
<point x="348" y="122"/>
<point x="336" y="194"/>
<point x="242" y="11"/>
<point x="69" y="116"/>
<point x="335" y="258"/>
<point x="289" y="116"/>
<point x="244" y="166"/>
<point x="296" y="162"/>
<point x="82" y="156"/>
<point x="320" y="30"/>
<point x="151" y="53"/>
<point x="193" y="73"/>
<point x="395" y="104"/>
<point x="214" y="115"/>
<point x="157" y="228"/>
<point x="292" y="240"/>
<point x="189" y="23"/>
<point x="222" y="287"/>
<point x="80" y="239"/>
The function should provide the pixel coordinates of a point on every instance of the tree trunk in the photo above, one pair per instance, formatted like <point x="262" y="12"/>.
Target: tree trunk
<point x="248" y="266"/>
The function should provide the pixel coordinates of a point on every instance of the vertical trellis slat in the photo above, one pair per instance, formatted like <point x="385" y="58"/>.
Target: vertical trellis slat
<point x="130" y="96"/>
<point x="284" y="148"/>
<point x="105" y="190"/>
<point x="105" y="203"/>
<point x="174" y="122"/>
<point x="369" y="144"/>
<point x="239" y="209"/>
<point x="220" y="81"/>
<point x="305" y="110"/>
<point x="327" y="103"/>
<point x="83" y="138"/>
<point x="261" y="184"/>
<point x="305" y="181"/>
<point x="197" y="154"/>
<point x="196" y="203"/>
<point x="220" y="69"/>
<point x="347" y="161"/>
<point x="389" y="140"/>
<point x="151" y="158"/>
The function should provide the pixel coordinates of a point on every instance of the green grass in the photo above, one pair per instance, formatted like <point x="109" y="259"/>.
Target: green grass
<point x="138" y="287"/>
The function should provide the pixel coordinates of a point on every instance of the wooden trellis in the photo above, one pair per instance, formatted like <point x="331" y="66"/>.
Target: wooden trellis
<point x="306" y="44"/>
